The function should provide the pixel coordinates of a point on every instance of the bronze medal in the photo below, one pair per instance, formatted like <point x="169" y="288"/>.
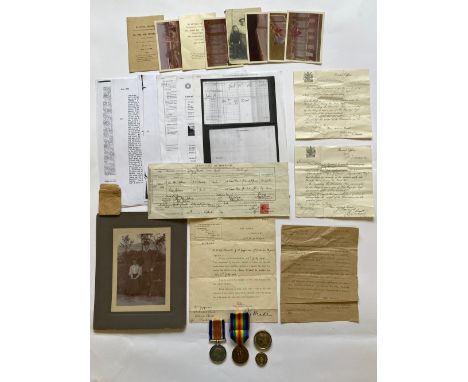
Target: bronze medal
<point x="262" y="340"/>
<point x="261" y="359"/>
<point x="240" y="354"/>
<point x="217" y="354"/>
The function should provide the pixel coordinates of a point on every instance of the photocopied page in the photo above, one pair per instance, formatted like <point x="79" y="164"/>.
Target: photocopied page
<point x="232" y="267"/>
<point x="243" y="118"/>
<point x="236" y="101"/>
<point x="319" y="274"/>
<point x="334" y="181"/>
<point x="125" y="142"/>
<point x="192" y="38"/>
<point x="142" y="47"/>
<point x="332" y="104"/>
<point x="184" y="191"/>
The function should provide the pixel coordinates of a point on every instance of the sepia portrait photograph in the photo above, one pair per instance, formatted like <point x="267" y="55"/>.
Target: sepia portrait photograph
<point x="277" y="36"/>
<point x="304" y="37"/>
<point x="236" y="27"/>
<point x="141" y="269"/>
<point x="169" y="46"/>
<point x="257" y="36"/>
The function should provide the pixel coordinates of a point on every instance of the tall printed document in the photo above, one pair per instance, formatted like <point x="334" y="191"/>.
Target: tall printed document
<point x="218" y="190"/>
<point x="127" y="134"/>
<point x="334" y="181"/>
<point x="232" y="267"/>
<point x="319" y="274"/>
<point x="142" y="47"/>
<point x="332" y="104"/>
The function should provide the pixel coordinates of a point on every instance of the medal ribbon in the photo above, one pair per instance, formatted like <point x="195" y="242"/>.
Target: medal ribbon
<point x="216" y="330"/>
<point x="239" y="327"/>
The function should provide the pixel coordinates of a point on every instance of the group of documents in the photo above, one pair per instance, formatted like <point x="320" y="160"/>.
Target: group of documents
<point x="204" y="41"/>
<point x="211" y="147"/>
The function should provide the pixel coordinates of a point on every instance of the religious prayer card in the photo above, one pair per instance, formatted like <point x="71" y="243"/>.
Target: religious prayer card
<point x="304" y="37"/>
<point x="216" y="43"/>
<point x="236" y="26"/>
<point x="142" y="47"/>
<point x="192" y="38"/>
<point x="169" y="45"/>
<point x="332" y="104"/>
<point x="334" y="181"/>
<point x="232" y="266"/>
<point x="319" y="274"/>
<point x="218" y="190"/>
<point x="277" y="36"/>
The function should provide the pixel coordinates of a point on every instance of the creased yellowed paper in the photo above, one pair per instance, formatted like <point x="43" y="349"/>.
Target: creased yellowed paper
<point x="218" y="190"/>
<point x="332" y="104"/>
<point x="192" y="38"/>
<point x="142" y="47"/>
<point x="232" y="267"/>
<point x="236" y="28"/>
<point x="319" y="274"/>
<point x="334" y="181"/>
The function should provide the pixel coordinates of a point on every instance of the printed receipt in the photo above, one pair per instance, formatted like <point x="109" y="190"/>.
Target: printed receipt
<point x="233" y="267"/>
<point x="184" y="191"/>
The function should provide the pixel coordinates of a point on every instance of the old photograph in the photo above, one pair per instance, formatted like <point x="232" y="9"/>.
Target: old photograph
<point x="304" y="37"/>
<point x="141" y="269"/>
<point x="169" y="46"/>
<point x="257" y="36"/>
<point x="277" y="36"/>
<point x="236" y="27"/>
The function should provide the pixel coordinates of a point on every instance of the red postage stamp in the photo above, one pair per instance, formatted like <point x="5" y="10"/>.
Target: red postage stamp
<point x="264" y="208"/>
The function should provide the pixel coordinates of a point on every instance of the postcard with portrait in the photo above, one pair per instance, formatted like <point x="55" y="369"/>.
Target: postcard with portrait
<point x="169" y="45"/>
<point x="277" y="36"/>
<point x="257" y="37"/>
<point x="304" y="37"/>
<point x="140" y="272"/>
<point x="237" y="34"/>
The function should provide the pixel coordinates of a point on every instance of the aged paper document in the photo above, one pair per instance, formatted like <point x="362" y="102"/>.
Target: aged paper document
<point x="332" y="104"/>
<point x="334" y="181"/>
<point x="216" y="43"/>
<point x="142" y="47"/>
<point x="192" y="38"/>
<point x="232" y="266"/>
<point x="218" y="190"/>
<point x="277" y="36"/>
<point x="319" y="274"/>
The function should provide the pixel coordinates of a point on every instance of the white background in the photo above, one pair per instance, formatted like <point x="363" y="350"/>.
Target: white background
<point x="45" y="192"/>
<point x="337" y="351"/>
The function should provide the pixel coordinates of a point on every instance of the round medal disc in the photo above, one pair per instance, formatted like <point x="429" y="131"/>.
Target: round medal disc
<point x="262" y="340"/>
<point x="240" y="354"/>
<point x="218" y="353"/>
<point x="261" y="359"/>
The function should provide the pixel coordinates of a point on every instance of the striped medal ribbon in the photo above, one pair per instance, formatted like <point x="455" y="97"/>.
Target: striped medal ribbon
<point x="217" y="331"/>
<point x="239" y="327"/>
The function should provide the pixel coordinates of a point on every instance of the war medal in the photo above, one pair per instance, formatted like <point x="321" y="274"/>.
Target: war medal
<point x="262" y="340"/>
<point x="261" y="359"/>
<point x="217" y="335"/>
<point x="239" y="332"/>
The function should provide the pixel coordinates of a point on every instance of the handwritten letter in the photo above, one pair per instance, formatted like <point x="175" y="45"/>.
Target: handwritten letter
<point x="334" y="182"/>
<point x="319" y="274"/>
<point x="332" y="104"/>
